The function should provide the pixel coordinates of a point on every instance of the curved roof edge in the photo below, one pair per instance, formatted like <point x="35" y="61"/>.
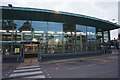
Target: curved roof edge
<point x="59" y="12"/>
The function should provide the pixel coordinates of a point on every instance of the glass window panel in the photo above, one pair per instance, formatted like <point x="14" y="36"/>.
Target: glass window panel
<point x="91" y="38"/>
<point x="81" y="38"/>
<point x="10" y="37"/>
<point x="39" y="26"/>
<point x="55" y="37"/>
<point x="81" y="28"/>
<point x="55" y="27"/>
<point x="19" y="23"/>
<point x="91" y="33"/>
<point x="105" y="36"/>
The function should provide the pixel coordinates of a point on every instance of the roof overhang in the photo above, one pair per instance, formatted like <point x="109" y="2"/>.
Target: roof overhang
<point x="18" y="13"/>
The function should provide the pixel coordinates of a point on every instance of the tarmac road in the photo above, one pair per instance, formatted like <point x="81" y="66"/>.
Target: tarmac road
<point x="104" y="66"/>
<point x="91" y="67"/>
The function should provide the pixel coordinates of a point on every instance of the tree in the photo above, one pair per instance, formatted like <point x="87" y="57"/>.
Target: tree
<point x="8" y="25"/>
<point x="26" y="27"/>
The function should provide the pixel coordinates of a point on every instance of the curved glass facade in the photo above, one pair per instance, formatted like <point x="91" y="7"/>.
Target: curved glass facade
<point x="54" y="37"/>
<point x="29" y="32"/>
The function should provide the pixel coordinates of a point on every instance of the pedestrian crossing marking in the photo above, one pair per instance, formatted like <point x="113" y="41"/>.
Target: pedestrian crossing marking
<point x="27" y="72"/>
<point x="39" y="76"/>
<point x="27" y="67"/>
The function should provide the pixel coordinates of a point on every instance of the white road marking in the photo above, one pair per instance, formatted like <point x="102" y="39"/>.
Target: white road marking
<point x="26" y="67"/>
<point x="49" y="76"/>
<point x="25" y="73"/>
<point x="38" y="76"/>
<point x="27" y="70"/>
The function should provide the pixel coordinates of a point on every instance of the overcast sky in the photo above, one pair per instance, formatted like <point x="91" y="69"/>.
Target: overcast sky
<point x="103" y="9"/>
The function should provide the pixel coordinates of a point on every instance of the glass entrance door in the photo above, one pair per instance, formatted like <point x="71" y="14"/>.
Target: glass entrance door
<point x="31" y="49"/>
<point x="69" y="41"/>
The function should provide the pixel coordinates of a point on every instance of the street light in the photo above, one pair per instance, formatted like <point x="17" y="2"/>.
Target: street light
<point x="10" y="5"/>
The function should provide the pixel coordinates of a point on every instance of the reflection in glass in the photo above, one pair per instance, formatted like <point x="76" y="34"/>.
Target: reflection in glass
<point x="69" y="39"/>
<point x="91" y="38"/>
<point x="105" y="36"/>
<point x="54" y="37"/>
<point x="91" y="34"/>
<point x="81" y="38"/>
<point x="99" y="40"/>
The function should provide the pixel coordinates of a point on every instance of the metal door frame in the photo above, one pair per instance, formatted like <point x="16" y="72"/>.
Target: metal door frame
<point x="22" y="54"/>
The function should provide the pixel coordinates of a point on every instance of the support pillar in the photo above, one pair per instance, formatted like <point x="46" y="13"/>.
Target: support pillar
<point x="103" y="47"/>
<point x="75" y="44"/>
<point x="109" y="44"/>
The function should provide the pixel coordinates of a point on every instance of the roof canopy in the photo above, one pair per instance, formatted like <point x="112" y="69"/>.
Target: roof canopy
<point x="18" y="13"/>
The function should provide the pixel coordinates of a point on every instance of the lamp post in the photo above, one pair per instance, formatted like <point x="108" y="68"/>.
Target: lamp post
<point x="10" y="5"/>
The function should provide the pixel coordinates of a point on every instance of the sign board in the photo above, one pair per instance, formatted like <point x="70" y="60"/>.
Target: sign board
<point x="17" y="50"/>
